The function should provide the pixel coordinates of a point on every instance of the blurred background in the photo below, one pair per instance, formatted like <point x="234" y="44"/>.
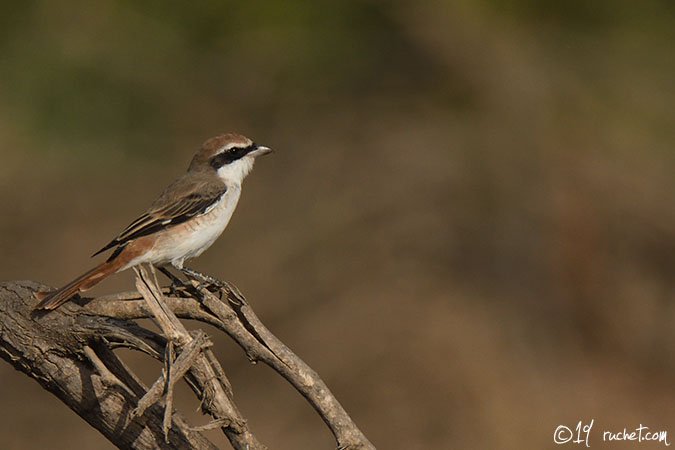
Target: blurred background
<point x="468" y="228"/>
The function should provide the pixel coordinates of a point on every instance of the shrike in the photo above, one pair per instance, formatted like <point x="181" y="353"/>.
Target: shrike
<point x="183" y="222"/>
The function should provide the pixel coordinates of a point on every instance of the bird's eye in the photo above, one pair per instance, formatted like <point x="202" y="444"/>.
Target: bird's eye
<point x="230" y="155"/>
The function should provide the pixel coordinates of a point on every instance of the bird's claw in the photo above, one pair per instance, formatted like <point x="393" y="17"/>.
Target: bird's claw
<point x="204" y="281"/>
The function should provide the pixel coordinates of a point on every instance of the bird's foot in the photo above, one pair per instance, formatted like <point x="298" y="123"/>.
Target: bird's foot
<point x="204" y="280"/>
<point x="176" y="285"/>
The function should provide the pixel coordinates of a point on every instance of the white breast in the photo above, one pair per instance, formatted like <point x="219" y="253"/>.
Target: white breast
<point x="193" y="237"/>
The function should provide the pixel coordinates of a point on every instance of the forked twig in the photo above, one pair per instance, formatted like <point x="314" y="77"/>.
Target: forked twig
<point x="90" y="332"/>
<point x="68" y="352"/>
<point x="215" y="400"/>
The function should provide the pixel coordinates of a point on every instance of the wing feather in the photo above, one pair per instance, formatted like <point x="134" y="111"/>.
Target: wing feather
<point x="180" y="202"/>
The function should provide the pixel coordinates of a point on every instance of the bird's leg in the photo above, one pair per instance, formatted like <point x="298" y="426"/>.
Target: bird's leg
<point x="202" y="278"/>
<point x="176" y="282"/>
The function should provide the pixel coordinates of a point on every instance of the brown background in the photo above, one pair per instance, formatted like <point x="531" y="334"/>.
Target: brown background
<point x="467" y="229"/>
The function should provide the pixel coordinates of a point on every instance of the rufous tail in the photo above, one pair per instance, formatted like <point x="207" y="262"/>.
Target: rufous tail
<point x="54" y="299"/>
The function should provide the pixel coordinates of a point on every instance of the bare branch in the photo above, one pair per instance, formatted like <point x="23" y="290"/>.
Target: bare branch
<point x="105" y="323"/>
<point x="235" y="317"/>
<point x="51" y="349"/>
<point x="256" y="339"/>
<point x="215" y="400"/>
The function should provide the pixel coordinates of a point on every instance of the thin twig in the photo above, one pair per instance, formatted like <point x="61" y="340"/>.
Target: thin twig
<point x="106" y="375"/>
<point x="177" y="370"/>
<point x="234" y="316"/>
<point x="170" y="356"/>
<point x="104" y="323"/>
<point x="296" y="371"/>
<point x="67" y="353"/>
<point x="215" y="398"/>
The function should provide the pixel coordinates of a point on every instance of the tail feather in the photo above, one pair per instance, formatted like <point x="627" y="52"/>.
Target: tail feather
<point x="54" y="299"/>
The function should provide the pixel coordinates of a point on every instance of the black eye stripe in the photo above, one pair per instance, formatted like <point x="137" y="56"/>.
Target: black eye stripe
<point x="230" y="156"/>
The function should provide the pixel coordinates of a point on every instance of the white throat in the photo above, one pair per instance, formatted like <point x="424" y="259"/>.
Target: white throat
<point x="235" y="172"/>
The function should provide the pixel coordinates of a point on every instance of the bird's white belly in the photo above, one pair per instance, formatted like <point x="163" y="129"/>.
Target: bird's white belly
<point x="193" y="237"/>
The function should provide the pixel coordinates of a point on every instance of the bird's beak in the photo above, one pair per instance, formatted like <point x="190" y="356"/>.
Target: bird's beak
<point x="260" y="150"/>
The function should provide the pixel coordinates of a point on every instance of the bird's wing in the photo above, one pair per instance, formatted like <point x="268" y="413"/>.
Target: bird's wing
<point x="181" y="201"/>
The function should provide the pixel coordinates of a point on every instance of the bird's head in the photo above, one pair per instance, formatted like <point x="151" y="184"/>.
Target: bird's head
<point x="230" y="155"/>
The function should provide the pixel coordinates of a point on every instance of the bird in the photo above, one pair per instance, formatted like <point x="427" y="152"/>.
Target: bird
<point x="186" y="218"/>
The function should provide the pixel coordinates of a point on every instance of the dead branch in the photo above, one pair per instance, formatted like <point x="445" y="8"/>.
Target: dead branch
<point x="193" y="361"/>
<point x="64" y="351"/>
<point x="208" y="376"/>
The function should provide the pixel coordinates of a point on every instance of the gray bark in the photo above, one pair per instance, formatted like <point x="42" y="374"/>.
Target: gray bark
<point x="51" y="349"/>
<point x="69" y="352"/>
